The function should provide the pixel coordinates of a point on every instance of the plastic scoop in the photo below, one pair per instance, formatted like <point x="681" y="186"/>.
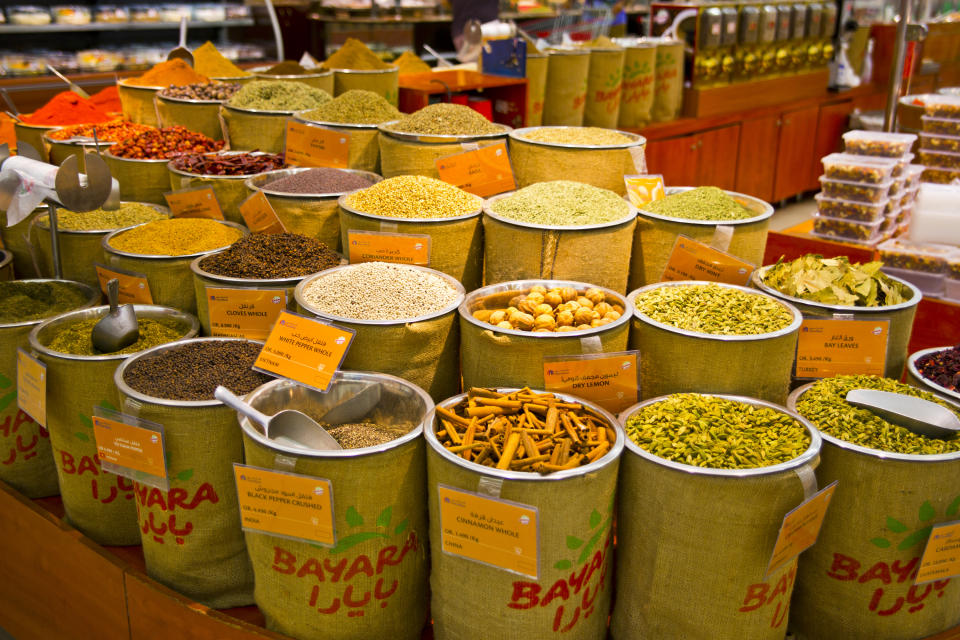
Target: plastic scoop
<point x="920" y="416"/>
<point x="181" y="51"/>
<point x="118" y="329"/>
<point x="288" y="427"/>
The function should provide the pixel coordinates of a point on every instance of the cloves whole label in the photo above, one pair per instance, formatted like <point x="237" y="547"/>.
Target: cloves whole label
<point x="244" y="313"/>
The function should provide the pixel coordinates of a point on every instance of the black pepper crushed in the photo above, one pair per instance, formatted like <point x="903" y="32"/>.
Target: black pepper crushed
<point x="271" y="256"/>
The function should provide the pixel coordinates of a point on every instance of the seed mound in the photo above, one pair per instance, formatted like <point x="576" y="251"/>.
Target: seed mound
<point x="563" y="203"/>
<point x="446" y="119"/>
<point x="714" y="310"/>
<point x="271" y="256"/>
<point x="702" y="203"/>
<point x="414" y="197"/>
<point x="587" y="136"/>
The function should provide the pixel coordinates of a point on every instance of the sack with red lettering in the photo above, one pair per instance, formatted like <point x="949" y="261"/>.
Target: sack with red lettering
<point x="668" y="81"/>
<point x="857" y="582"/>
<point x="604" y="88"/>
<point x="638" y="76"/>
<point x="565" y="96"/>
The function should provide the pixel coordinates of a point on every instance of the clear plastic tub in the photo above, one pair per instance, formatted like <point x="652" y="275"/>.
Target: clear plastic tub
<point x="855" y="191"/>
<point x="111" y="14"/>
<point x="850" y="210"/>
<point x="940" y="175"/>
<point x="853" y="168"/>
<point x="931" y="285"/>
<point x="902" y="165"/>
<point x="72" y="14"/>
<point x="941" y="126"/>
<point x="942" y="159"/>
<point x="898" y="186"/>
<point x="914" y="171"/>
<point x="938" y="106"/>
<point x="926" y="258"/>
<point x="953" y="264"/>
<point x="846" y="230"/>
<point x="889" y="224"/>
<point x="909" y="197"/>
<point x="878" y="143"/>
<point x="951" y="289"/>
<point x="28" y="15"/>
<point x="937" y="142"/>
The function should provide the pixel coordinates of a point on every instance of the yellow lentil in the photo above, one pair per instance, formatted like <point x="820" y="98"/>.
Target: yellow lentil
<point x="414" y="197"/>
<point x="176" y="237"/>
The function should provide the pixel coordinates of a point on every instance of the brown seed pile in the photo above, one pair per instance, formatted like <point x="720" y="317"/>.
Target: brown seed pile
<point x="319" y="180"/>
<point x="362" y="434"/>
<point x="271" y="256"/>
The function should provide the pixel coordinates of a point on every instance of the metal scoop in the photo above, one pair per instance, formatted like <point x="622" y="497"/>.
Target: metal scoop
<point x="181" y="51"/>
<point x="920" y="416"/>
<point x="288" y="427"/>
<point x="73" y="86"/>
<point x="118" y="329"/>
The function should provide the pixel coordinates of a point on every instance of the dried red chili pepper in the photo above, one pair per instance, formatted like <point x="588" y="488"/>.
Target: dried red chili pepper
<point x="165" y="143"/>
<point x="229" y="164"/>
<point x="942" y="368"/>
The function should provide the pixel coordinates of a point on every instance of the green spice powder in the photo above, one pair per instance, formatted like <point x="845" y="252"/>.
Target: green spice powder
<point x="355" y="107"/>
<point x="563" y="203"/>
<point x="23" y="301"/>
<point x="75" y="338"/>
<point x="702" y="203"/>
<point x="128" y="215"/>
<point x="278" y="95"/>
<point x="713" y="309"/>
<point x="446" y="119"/>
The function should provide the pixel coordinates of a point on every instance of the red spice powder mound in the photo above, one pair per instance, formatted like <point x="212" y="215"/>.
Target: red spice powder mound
<point x="67" y="108"/>
<point x="107" y="100"/>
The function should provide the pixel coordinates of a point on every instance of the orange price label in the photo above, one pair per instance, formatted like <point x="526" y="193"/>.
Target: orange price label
<point x="800" y="528"/>
<point x="285" y="504"/>
<point x="612" y="380"/>
<point x="489" y="530"/>
<point x="130" y="450"/>
<point x="32" y="387"/>
<point x="134" y="287"/>
<point x="259" y="215"/>
<point x="304" y="349"/>
<point x="197" y="202"/>
<point x="312" y="146"/>
<point x="483" y="172"/>
<point x="692" y="260"/>
<point x="941" y="557"/>
<point x="244" y="313"/>
<point x="644" y="189"/>
<point x="830" y="347"/>
<point x="381" y="246"/>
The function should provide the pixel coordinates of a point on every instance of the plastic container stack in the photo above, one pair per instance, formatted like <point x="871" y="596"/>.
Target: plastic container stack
<point x="855" y="204"/>
<point x="940" y="141"/>
<point x="922" y="264"/>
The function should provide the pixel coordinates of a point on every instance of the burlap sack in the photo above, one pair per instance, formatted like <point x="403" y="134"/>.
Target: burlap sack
<point x="604" y="88"/>
<point x="98" y="503"/>
<point x="373" y="583"/>
<point x="756" y="366"/>
<point x="668" y="81"/>
<point x="384" y="82"/>
<point x="536" y="88"/>
<point x="6" y="266"/>
<point x="33" y="134"/>
<point x="671" y="582"/>
<point x="60" y="151"/>
<point x="565" y="96"/>
<point x="201" y="116"/>
<point x="636" y="103"/>
<point x="364" y="152"/>
<point x="252" y="130"/>
<point x="137" y="103"/>
<point x="571" y="596"/>
<point x="230" y="190"/>
<point x="16" y="239"/>
<point x="191" y="536"/>
<point x="399" y="157"/>
<point x="140" y="180"/>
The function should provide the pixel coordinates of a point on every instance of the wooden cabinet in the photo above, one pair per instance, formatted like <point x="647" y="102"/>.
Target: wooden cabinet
<point x="707" y="158"/>
<point x="795" y="148"/>
<point x="831" y="124"/>
<point x="675" y="158"/>
<point x="755" y="170"/>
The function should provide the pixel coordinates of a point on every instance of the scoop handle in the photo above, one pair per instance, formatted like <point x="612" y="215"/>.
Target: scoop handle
<point x="183" y="31"/>
<point x="113" y="295"/>
<point x="236" y="403"/>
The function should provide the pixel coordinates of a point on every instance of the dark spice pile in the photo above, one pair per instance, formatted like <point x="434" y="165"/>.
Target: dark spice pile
<point x="212" y="91"/>
<point x="229" y="164"/>
<point x="271" y="256"/>
<point x="323" y="180"/>
<point x="22" y="301"/>
<point x="942" y="368"/>
<point x="193" y="371"/>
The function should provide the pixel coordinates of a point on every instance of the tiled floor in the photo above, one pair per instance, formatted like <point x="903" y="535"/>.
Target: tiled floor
<point x="792" y="214"/>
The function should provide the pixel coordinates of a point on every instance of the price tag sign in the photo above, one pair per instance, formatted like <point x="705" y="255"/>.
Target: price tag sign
<point x="134" y="288"/>
<point x="692" y="260"/>
<point x="32" y="387"/>
<point x="941" y="557"/>
<point x="304" y="349"/>
<point x="491" y="531"/>
<point x="382" y="246"/>
<point x="483" y="172"/>
<point x="283" y="504"/>
<point x="130" y="447"/>
<point x="244" y="313"/>
<point x="830" y="347"/>
<point x="196" y="202"/>
<point x="612" y="380"/>
<point x="644" y="189"/>
<point x="800" y="528"/>
<point x="259" y="215"/>
<point x="312" y="146"/>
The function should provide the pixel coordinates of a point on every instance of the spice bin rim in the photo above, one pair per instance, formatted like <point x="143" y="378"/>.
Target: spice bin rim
<point x="78" y="141"/>
<point x="453" y="306"/>
<point x="488" y="211"/>
<point x="503" y="287"/>
<point x="928" y="385"/>
<point x="637" y="139"/>
<point x="766" y="206"/>
<point x="530" y="476"/>
<point x="223" y="152"/>
<point x="364" y="71"/>
<point x="300" y="117"/>
<point x="128" y="391"/>
<point x="292" y="171"/>
<point x="247" y="282"/>
<point x="147" y="311"/>
<point x="93" y="296"/>
<point x="257" y="112"/>
<point x="164" y="98"/>
<point x="808" y="456"/>
<point x="431" y="138"/>
<point x="43" y="216"/>
<point x="260" y="72"/>
<point x="757" y="278"/>
<point x="791" y="328"/>
<point x="125" y="83"/>
<point x="46" y="127"/>
<point x="341" y="202"/>
<point x="345" y="376"/>
<point x="105" y="243"/>
<point x="145" y="160"/>
<point x="794" y="397"/>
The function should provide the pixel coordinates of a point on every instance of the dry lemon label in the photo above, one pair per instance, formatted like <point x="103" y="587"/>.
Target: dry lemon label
<point x="692" y="260"/>
<point x="285" y="504"/>
<point x="830" y="347"/>
<point x="198" y="202"/>
<point x="313" y="146"/>
<point x="941" y="557"/>
<point x="483" y="172"/>
<point x="130" y="447"/>
<point x="801" y="528"/>
<point x="244" y="313"/>
<point x="32" y="387"/>
<point x="259" y="215"/>
<point x="644" y="189"/>
<point x="134" y="287"/>
<point x="304" y="349"/>
<point x="381" y="246"/>
<point x="611" y="380"/>
<point x="488" y="530"/>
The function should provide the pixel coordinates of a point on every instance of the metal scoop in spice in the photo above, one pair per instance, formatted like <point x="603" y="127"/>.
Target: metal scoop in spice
<point x="920" y="416"/>
<point x="288" y="427"/>
<point x="181" y="52"/>
<point x="118" y="329"/>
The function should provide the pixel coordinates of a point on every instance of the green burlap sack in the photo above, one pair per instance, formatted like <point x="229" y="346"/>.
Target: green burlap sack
<point x="26" y="459"/>
<point x="137" y="103"/>
<point x="254" y="130"/>
<point x="401" y="155"/>
<point x="384" y="82"/>
<point x="364" y="152"/>
<point x="229" y="190"/>
<point x="201" y="116"/>
<point x="636" y="103"/>
<point x="680" y="361"/>
<point x="456" y="244"/>
<point x="98" y="503"/>
<point x="33" y="134"/>
<point x="191" y="535"/>
<point x="565" y="96"/>
<point x="536" y="75"/>
<point x="6" y="266"/>
<point x="604" y="88"/>
<point x="140" y="180"/>
<point x="16" y="239"/>
<point x="599" y="254"/>
<point x="570" y="598"/>
<point x="318" y="79"/>
<point x="900" y="316"/>
<point x="373" y="582"/>
<point x="668" y="81"/>
<point x="693" y="547"/>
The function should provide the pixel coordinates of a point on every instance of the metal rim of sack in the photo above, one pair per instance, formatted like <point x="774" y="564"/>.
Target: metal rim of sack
<point x="433" y="315"/>
<point x="234" y="79"/>
<point x="285" y="385"/>
<point x="927" y="385"/>
<point x="143" y="311"/>
<point x="300" y="116"/>
<point x="43" y="127"/>
<point x="530" y="476"/>
<point x="105" y="243"/>
<point x="152" y="352"/>
<point x="93" y="295"/>
<point x="452" y="138"/>
<point x="809" y="456"/>
<point x="256" y="112"/>
<point x="141" y="161"/>
<point x="215" y="176"/>
<point x="41" y="219"/>
<point x="261" y="182"/>
<point x="757" y="280"/>
<point x="163" y="98"/>
<point x="365" y="72"/>
<point x="557" y="51"/>
<point x="488" y="211"/>
<point x="260" y="72"/>
<point x="748" y="201"/>
<point x="794" y="397"/>
<point x="79" y="141"/>
<point x="251" y="283"/>
<point x="793" y="327"/>
<point x="635" y="43"/>
<point x="519" y="286"/>
<point x="125" y="84"/>
<point x="341" y="201"/>
<point x="636" y="139"/>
